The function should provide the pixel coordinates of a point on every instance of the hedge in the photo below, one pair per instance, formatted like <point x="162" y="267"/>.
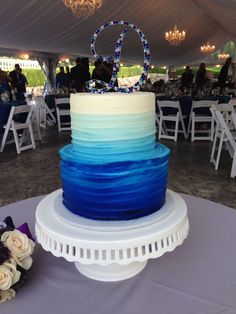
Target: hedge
<point x="35" y="77"/>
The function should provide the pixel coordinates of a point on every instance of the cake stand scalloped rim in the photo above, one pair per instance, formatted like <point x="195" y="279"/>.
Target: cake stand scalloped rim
<point x="136" y="246"/>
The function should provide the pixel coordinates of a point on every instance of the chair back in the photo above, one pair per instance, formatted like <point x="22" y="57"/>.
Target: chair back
<point x="22" y="109"/>
<point x="168" y="104"/>
<point x="26" y="110"/>
<point x="226" y="109"/>
<point x="203" y="103"/>
<point x="59" y="101"/>
<point x="223" y="107"/>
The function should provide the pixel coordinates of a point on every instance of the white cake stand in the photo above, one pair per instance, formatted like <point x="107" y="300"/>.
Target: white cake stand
<point x="110" y="250"/>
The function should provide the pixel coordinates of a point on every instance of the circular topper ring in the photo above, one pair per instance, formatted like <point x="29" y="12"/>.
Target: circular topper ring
<point x="116" y="60"/>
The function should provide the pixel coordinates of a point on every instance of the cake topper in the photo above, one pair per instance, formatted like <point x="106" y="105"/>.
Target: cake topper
<point x="116" y="60"/>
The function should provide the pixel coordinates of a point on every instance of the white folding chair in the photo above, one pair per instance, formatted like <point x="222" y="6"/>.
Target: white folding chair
<point x="225" y="136"/>
<point x="63" y="125"/>
<point x="35" y="119"/>
<point x="46" y="116"/>
<point x="15" y="126"/>
<point x="229" y="140"/>
<point x="174" y="115"/>
<point x="201" y="118"/>
<point x="226" y="110"/>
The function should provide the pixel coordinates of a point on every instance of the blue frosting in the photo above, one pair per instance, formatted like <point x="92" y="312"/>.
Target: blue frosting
<point x="130" y="186"/>
<point x="112" y="127"/>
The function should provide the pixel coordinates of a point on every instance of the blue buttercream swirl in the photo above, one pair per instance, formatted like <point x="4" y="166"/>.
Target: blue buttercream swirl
<point x="114" y="186"/>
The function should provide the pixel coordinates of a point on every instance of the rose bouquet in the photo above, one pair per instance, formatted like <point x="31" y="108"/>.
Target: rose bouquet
<point x="16" y="248"/>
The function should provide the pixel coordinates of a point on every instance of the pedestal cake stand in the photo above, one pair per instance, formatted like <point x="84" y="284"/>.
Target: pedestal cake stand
<point x="110" y="250"/>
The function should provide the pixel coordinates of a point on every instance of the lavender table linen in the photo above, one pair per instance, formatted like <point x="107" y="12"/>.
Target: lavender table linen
<point x="197" y="277"/>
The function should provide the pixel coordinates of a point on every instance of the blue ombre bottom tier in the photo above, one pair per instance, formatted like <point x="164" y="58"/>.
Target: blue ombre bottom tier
<point x="114" y="187"/>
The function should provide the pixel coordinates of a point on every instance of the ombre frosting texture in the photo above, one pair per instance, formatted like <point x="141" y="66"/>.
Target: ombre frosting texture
<point x="114" y="169"/>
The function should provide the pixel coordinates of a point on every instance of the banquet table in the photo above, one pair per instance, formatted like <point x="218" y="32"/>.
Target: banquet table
<point x="186" y="105"/>
<point x="197" y="277"/>
<point x="186" y="101"/>
<point x="5" y="109"/>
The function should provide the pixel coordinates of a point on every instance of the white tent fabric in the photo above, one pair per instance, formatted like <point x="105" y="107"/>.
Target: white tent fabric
<point x="48" y="26"/>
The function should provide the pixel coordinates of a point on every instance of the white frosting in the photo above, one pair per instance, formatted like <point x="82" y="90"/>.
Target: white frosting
<point x="112" y="103"/>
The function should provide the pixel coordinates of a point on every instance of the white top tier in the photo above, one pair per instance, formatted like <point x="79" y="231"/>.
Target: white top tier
<point x="112" y="103"/>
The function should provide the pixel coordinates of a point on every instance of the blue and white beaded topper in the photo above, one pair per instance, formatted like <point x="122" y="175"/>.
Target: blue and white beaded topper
<point x="116" y="60"/>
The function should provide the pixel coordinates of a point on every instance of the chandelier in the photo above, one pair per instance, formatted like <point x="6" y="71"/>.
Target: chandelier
<point x="83" y="8"/>
<point x="207" y="48"/>
<point x="223" y="56"/>
<point x="174" y="37"/>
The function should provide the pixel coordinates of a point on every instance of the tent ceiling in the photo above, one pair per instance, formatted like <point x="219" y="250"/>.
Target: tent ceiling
<point x="49" y="26"/>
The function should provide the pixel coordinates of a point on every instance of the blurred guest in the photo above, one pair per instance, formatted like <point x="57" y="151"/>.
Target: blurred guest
<point x="22" y="82"/>
<point x="103" y="72"/>
<point x="159" y="86"/>
<point x="4" y="82"/>
<point x="80" y="75"/>
<point x="201" y="77"/>
<point x="233" y="80"/>
<point x="224" y="73"/>
<point x="147" y="86"/>
<point x="67" y="78"/>
<point x="187" y="77"/>
<point x="97" y="73"/>
<point x="17" y="83"/>
<point x="172" y="75"/>
<point x="60" y="78"/>
<point x="14" y="75"/>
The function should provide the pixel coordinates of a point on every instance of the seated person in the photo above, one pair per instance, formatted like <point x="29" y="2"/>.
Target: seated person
<point x="4" y="82"/>
<point x="147" y="86"/>
<point x="159" y="86"/>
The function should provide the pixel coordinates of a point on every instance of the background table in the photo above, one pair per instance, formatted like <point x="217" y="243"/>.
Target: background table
<point x="186" y="105"/>
<point x="186" y="101"/>
<point x="5" y="109"/>
<point x="198" y="277"/>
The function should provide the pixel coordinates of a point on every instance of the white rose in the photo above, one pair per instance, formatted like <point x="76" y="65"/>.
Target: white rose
<point x="6" y="295"/>
<point x="20" y="246"/>
<point x="9" y="275"/>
